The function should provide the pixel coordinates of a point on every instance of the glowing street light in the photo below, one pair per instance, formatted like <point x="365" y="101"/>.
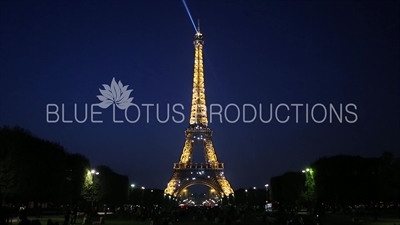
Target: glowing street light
<point x="307" y="170"/>
<point x="132" y="185"/>
<point x="254" y="188"/>
<point x="94" y="172"/>
<point x="143" y="188"/>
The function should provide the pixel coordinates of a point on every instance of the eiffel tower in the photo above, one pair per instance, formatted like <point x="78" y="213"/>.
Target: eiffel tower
<point x="211" y="172"/>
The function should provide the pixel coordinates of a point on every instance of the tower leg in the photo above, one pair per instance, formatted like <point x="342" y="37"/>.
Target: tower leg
<point x="225" y="185"/>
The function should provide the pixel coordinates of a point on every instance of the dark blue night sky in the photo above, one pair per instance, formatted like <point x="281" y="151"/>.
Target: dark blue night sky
<point x="256" y="52"/>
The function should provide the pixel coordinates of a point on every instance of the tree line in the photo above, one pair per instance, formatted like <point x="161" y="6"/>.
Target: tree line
<point x="36" y="170"/>
<point x="341" y="180"/>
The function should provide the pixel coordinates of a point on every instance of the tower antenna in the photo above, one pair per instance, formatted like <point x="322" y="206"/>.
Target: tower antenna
<point x="198" y="25"/>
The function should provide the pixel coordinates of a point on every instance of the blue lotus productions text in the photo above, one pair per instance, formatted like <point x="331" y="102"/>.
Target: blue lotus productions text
<point x="217" y="113"/>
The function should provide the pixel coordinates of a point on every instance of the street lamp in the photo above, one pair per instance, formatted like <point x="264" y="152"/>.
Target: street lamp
<point x="267" y="189"/>
<point x="131" y="191"/>
<point x="247" y="200"/>
<point x="94" y="172"/>
<point x="308" y="171"/>
<point x="142" y="195"/>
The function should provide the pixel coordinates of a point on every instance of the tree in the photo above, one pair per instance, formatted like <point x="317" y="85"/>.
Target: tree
<point x="115" y="187"/>
<point x="345" y="179"/>
<point x="7" y="179"/>
<point x="91" y="190"/>
<point x="38" y="170"/>
<point x="287" y="188"/>
<point x="76" y="168"/>
<point x="32" y="168"/>
<point x="309" y="194"/>
<point x="389" y="178"/>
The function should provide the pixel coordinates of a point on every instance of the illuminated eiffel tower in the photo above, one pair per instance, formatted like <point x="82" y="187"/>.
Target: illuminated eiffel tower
<point x="211" y="172"/>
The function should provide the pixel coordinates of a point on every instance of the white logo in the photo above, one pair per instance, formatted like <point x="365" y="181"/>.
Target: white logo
<point x="116" y="94"/>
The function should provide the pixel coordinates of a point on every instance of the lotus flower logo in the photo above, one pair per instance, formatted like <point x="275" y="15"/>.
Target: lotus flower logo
<point x="116" y="94"/>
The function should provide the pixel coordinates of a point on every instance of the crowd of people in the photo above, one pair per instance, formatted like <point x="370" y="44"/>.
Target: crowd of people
<point x="228" y="215"/>
<point x="7" y="215"/>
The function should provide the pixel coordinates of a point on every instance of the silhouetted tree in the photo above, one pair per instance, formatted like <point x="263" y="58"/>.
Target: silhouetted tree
<point x="346" y="180"/>
<point x="389" y="179"/>
<point x="7" y="176"/>
<point x="77" y="166"/>
<point x="34" y="165"/>
<point x="287" y="188"/>
<point x="115" y="187"/>
<point x="91" y="190"/>
<point x="33" y="169"/>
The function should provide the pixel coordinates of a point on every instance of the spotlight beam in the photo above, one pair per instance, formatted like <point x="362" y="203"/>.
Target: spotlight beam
<point x="190" y="15"/>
